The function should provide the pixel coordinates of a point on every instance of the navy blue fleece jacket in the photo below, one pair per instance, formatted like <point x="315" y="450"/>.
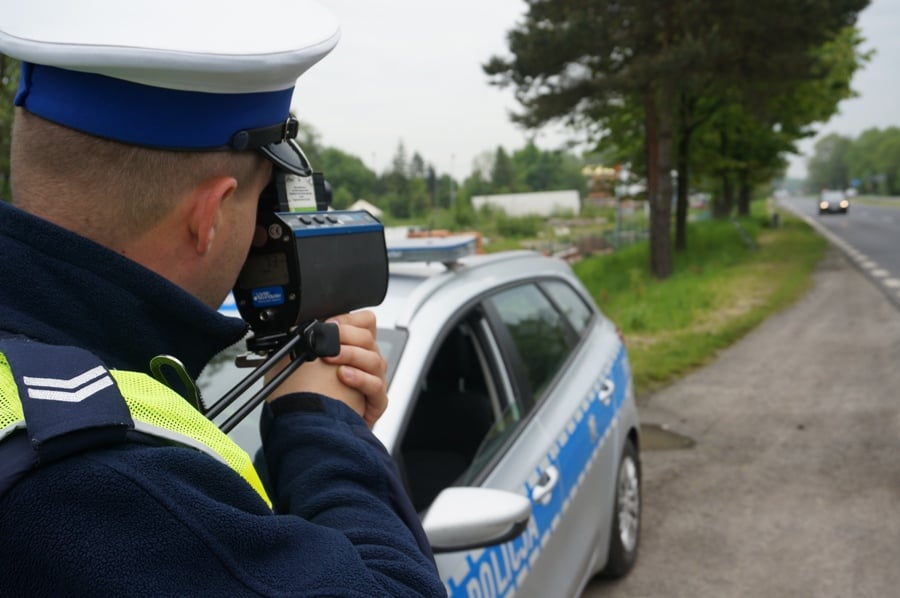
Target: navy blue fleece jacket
<point x="149" y="520"/>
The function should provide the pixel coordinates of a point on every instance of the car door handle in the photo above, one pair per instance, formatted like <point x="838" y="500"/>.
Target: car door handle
<point x="543" y="490"/>
<point x="607" y="390"/>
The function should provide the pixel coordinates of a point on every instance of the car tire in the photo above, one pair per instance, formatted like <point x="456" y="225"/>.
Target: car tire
<point x="624" y="537"/>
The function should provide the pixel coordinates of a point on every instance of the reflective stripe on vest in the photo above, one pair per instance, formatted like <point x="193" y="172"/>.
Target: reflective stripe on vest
<point x="156" y="410"/>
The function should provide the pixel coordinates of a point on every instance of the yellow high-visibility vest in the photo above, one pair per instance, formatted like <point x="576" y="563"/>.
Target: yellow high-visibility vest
<point x="156" y="410"/>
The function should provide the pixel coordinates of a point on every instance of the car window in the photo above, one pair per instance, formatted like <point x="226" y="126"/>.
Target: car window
<point x="509" y="412"/>
<point x="538" y="332"/>
<point x="461" y="403"/>
<point x="467" y="411"/>
<point x="570" y="302"/>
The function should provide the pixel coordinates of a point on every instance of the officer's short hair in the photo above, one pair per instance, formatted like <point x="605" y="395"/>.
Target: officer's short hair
<point x="131" y="186"/>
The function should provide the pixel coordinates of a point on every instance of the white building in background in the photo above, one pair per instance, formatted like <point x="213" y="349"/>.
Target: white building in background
<point x="542" y="203"/>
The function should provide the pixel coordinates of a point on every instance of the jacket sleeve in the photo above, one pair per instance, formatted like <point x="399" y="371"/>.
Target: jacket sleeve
<point x="327" y="467"/>
<point x="142" y="520"/>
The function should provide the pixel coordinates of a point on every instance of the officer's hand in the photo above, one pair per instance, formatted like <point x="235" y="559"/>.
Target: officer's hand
<point x="355" y="377"/>
<point x="361" y="366"/>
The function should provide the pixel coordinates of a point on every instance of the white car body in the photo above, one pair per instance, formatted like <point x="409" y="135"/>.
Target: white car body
<point x="463" y="413"/>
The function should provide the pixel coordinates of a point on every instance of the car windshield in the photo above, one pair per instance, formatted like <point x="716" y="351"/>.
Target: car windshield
<point x="390" y="343"/>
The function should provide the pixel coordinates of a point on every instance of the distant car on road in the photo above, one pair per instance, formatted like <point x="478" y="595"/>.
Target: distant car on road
<point x="831" y="201"/>
<point x="509" y="390"/>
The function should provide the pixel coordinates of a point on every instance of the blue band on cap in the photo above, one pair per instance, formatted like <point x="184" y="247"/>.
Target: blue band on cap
<point x="144" y="115"/>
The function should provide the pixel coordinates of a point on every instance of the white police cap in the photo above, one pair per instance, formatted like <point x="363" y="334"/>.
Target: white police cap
<point x="174" y="74"/>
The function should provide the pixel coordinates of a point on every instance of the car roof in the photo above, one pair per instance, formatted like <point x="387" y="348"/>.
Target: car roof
<point x="412" y="285"/>
<point x="422" y="298"/>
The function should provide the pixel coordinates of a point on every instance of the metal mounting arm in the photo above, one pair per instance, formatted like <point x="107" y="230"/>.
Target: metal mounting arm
<point x="316" y="339"/>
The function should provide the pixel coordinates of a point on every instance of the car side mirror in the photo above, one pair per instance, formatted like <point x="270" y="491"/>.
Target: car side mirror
<point x="465" y="518"/>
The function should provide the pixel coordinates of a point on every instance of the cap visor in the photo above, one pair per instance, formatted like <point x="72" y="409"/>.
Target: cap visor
<point x="287" y="156"/>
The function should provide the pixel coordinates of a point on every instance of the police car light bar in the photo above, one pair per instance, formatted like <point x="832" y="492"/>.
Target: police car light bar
<point x="446" y="250"/>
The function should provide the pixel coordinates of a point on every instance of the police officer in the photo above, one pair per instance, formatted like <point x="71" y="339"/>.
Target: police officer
<point x="138" y="157"/>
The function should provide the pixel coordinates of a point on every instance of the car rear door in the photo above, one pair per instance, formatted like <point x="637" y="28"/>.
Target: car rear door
<point x="563" y="354"/>
<point x="580" y="409"/>
<point x="516" y="455"/>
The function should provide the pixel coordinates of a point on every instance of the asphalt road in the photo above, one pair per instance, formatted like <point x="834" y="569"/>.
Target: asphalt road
<point x="867" y="234"/>
<point x="792" y="487"/>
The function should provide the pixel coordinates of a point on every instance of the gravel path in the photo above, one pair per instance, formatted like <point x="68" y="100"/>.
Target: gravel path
<point x="792" y="487"/>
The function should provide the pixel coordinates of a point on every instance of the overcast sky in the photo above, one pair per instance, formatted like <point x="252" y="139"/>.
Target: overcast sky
<point x="410" y="71"/>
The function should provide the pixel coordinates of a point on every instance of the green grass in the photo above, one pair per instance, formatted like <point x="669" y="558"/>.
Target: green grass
<point x="721" y="288"/>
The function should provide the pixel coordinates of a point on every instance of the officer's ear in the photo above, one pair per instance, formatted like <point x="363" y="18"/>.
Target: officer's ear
<point x="206" y="203"/>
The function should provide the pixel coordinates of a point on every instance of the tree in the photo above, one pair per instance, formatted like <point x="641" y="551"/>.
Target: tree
<point x="873" y="160"/>
<point x="463" y="214"/>
<point x="417" y="198"/>
<point x="311" y="143"/>
<point x="350" y="177"/>
<point x="417" y="168"/>
<point x="587" y="62"/>
<point x="399" y="163"/>
<point x="579" y="62"/>
<point x="890" y="167"/>
<point x="827" y="168"/>
<point x="446" y="191"/>
<point x="865" y="160"/>
<point x="394" y="184"/>
<point x="776" y="124"/>
<point x="758" y="91"/>
<point x="9" y="80"/>
<point x="541" y="170"/>
<point x="475" y="184"/>
<point x="504" y="177"/>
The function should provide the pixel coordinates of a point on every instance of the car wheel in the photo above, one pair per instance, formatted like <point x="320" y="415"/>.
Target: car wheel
<point x="626" y="525"/>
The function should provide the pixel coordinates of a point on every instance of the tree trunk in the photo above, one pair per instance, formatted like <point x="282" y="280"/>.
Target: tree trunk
<point x="681" y="207"/>
<point x="659" y="161"/>
<point x="661" y="213"/>
<point x="651" y="148"/>
<point x="724" y="201"/>
<point x="744" y="192"/>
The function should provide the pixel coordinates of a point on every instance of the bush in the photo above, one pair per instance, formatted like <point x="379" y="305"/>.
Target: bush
<point x="526" y="226"/>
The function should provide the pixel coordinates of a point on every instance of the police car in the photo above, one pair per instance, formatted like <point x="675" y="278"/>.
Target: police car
<point x="512" y="419"/>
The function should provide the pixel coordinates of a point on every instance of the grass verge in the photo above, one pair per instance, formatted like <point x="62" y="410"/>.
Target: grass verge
<point x="722" y="288"/>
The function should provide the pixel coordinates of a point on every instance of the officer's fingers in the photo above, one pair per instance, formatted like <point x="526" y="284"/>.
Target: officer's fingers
<point x="357" y="336"/>
<point x="373" y="387"/>
<point x="360" y="319"/>
<point x="366" y="359"/>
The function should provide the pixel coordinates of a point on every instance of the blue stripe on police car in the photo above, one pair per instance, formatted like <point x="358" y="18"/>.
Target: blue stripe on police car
<point x="500" y="570"/>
